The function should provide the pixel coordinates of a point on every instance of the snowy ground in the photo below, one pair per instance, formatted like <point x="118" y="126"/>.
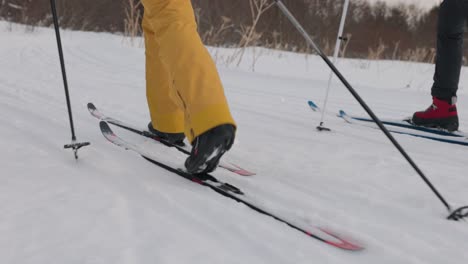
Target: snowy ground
<point x="111" y="206"/>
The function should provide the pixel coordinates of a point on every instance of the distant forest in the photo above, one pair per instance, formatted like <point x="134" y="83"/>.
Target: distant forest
<point x="378" y="31"/>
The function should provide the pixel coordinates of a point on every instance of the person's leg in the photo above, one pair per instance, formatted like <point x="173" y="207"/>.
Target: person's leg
<point x="166" y="112"/>
<point x="450" y="29"/>
<point x="443" y="111"/>
<point x="209" y="125"/>
<point x="194" y="75"/>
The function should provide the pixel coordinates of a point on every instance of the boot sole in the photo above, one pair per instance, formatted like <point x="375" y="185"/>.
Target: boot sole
<point x="450" y="124"/>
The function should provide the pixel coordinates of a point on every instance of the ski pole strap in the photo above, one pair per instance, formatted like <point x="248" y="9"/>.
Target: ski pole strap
<point x="459" y="214"/>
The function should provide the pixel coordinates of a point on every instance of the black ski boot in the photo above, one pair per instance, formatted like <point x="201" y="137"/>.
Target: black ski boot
<point x="208" y="148"/>
<point x="172" y="138"/>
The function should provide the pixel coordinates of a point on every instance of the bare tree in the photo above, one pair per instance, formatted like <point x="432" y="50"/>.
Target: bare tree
<point x="248" y="33"/>
<point x="133" y="17"/>
<point x="404" y="31"/>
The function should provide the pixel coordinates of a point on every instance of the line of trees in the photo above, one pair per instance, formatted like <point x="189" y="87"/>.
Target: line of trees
<point x="377" y="31"/>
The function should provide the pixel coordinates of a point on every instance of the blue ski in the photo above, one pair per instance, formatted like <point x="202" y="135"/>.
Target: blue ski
<point x="403" y="127"/>
<point x="406" y="123"/>
<point x="406" y="128"/>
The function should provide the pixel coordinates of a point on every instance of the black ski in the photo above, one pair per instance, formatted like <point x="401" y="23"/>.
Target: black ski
<point x="232" y="192"/>
<point x="186" y="150"/>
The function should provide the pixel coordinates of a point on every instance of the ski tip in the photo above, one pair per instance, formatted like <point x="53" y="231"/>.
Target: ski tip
<point x="312" y="105"/>
<point x="342" y="243"/>
<point x="109" y="134"/>
<point x="245" y="173"/>
<point x="91" y="107"/>
<point x="105" y="128"/>
<point x="93" y="111"/>
<point x="342" y="113"/>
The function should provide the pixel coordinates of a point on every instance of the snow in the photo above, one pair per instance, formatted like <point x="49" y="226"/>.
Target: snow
<point x="424" y="4"/>
<point x="111" y="206"/>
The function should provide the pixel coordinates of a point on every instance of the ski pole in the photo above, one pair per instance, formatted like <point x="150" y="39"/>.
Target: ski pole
<point x="75" y="146"/>
<point x="339" y="40"/>
<point x="454" y="215"/>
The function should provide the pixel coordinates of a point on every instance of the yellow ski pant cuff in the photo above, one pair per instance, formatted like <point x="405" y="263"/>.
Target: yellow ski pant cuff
<point x="200" y="123"/>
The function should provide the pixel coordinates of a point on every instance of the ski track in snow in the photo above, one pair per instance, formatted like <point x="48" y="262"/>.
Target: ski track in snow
<point x="111" y="206"/>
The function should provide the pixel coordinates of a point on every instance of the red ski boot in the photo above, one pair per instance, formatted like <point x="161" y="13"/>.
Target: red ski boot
<point x="441" y="114"/>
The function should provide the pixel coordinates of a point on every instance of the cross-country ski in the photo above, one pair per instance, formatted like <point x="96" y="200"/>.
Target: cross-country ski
<point x="260" y="131"/>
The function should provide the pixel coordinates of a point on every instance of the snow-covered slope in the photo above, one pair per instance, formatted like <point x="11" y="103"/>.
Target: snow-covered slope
<point x="111" y="206"/>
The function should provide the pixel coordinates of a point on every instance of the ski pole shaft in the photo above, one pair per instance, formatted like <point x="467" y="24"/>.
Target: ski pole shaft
<point x="339" y="40"/>
<point x="62" y="64"/>
<point x="340" y="30"/>
<point x="311" y="42"/>
<point x="75" y="146"/>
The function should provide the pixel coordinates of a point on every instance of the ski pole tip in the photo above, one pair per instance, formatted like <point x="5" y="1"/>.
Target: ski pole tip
<point x="76" y="146"/>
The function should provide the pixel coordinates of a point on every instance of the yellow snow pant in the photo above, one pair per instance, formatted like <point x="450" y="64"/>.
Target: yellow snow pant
<point x="183" y="87"/>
